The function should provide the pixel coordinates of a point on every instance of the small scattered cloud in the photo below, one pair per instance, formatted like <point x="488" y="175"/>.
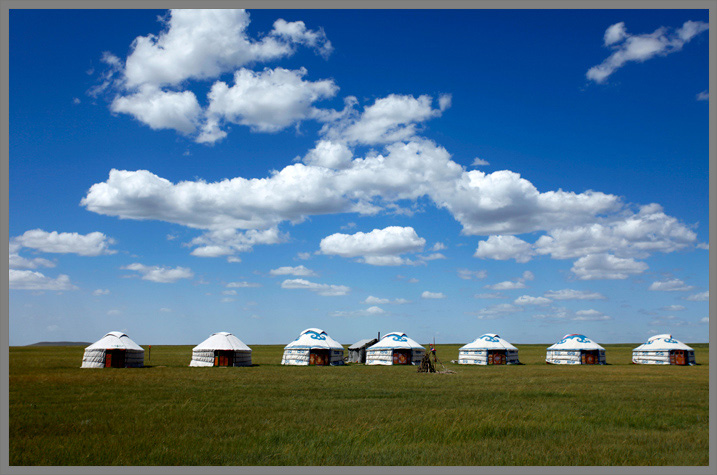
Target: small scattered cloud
<point x="467" y="274"/>
<point x="528" y="300"/>
<point x="496" y="311"/>
<point x="243" y="285"/>
<point x="673" y="285"/>
<point x="432" y="295"/>
<point x="701" y="297"/>
<point x="570" y="294"/>
<point x="32" y="280"/>
<point x="492" y="295"/>
<point x="299" y="271"/>
<point x="703" y="96"/>
<point x="321" y="289"/>
<point x="479" y="162"/>
<point x="101" y="292"/>
<point x="163" y="275"/>
<point x="503" y="248"/>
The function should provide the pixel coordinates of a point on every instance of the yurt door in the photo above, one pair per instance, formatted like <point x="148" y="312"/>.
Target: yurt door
<point x="114" y="359"/>
<point x="497" y="358"/>
<point x="401" y="356"/>
<point x="680" y="357"/>
<point x="319" y="357"/>
<point x="589" y="357"/>
<point x="223" y="358"/>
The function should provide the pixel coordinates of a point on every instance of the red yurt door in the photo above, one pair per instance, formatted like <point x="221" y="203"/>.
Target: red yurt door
<point x="590" y="357"/>
<point x="319" y="357"/>
<point x="401" y="356"/>
<point x="680" y="358"/>
<point x="114" y="359"/>
<point x="498" y="358"/>
<point x="223" y="358"/>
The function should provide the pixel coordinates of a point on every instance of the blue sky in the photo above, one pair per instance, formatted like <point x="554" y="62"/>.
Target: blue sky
<point x="442" y="173"/>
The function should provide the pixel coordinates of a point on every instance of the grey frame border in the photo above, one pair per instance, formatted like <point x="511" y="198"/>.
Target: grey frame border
<point x="7" y="5"/>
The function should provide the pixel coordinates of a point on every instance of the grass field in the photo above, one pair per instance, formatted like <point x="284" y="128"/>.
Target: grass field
<point x="268" y="414"/>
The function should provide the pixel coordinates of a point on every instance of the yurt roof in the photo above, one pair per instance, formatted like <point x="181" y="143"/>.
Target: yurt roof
<point x="662" y="342"/>
<point x="397" y="340"/>
<point x="114" y="340"/>
<point x="222" y="341"/>
<point x="315" y="338"/>
<point x="576" y="341"/>
<point x="489" y="341"/>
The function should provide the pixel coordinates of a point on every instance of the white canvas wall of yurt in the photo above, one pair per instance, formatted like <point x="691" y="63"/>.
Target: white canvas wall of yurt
<point x="575" y="349"/>
<point x="488" y="349"/>
<point x="663" y="349"/>
<point x="312" y="347"/>
<point x="395" y="348"/>
<point x="221" y="349"/>
<point x="114" y="350"/>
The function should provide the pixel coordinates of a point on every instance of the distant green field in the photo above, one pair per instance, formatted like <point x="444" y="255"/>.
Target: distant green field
<point x="268" y="414"/>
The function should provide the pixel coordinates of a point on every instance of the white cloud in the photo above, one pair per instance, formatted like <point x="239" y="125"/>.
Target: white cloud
<point x="673" y="285"/>
<point x="639" y="48"/>
<point x="165" y="310"/>
<point x="242" y="285"/>
<point x="705" y="320"/>
<point x="668" y="321"/>
<point x="390" y="119"/>
<point x="432" y="295"/>
<point x="164" y="275"/>
<point x="266" y="101"/>
<point x="703" y="96"/>
<point x="101" y="292"/>
<point x="304" y="256"/>
<point x="570" y="294"/>
<point x="701" y="297"/>
<point x="297" y="271"/>
<point x="114" y="311"/>
<point x="496" y="311"/>
<point x="15" y="261"/>
<point x="225" y="242"/>
<point x="506" y="285"/>
<point x="590" y="315"/>
<point x="673" y="308"/>
<point x="92" y="244"/>
<point x="528" y="300"/>
<point x="561" y="314"/>
<point x="466" y="274"/>
<point x="227" y="300"/>
<point x="158" y="109"/>
<point x="492" y="295"/>
<point x="439" y="246"/>
<point x="504" y="248"/>
<point x="229" y="292"/>
<point x="371" y="300"/>
<point x="527" y="275"/>
<point x="32" y="280"/>
<point x="479" y="162"/>
<point x="328" y="154"/>
<point x="433" y="257"/>
<point x="378" y="247"/>
<point x="375" y="310"/>
<point x="606" y="266"/>
<point x="297" y="32"/>
<point x="321" y="289"/>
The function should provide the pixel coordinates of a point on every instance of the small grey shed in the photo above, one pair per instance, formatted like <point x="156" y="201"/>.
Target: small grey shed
<point x="357" y="351"/>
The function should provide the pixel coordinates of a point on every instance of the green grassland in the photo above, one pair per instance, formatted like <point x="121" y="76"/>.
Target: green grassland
<point x="268" y="414"/>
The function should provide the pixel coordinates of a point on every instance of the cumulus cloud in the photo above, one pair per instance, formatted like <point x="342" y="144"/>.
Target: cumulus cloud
<point x="640" y="48"/>
<point x="15" y="261"/>
<point x="297" y="271"/>
<point x="159" y="109"/>
<point x="296" y="32"/>
<point x="506" y="285"/>
<point x="701" y="297"/>
<point x="606" y="266"/>
<point x="32" y="280"/>
<point x="101" y="292"/>
<point x="92" y="244"/>
<point x="266" y="101"/>
<point x="378" y="247"/>
<point x="321" y="289"/>
<point x="164" y="275"/>
<point x="389" y="119"/>
<point x="432" y="295"/>
<point x="570" y="294"/>
<point x="226" y="242"/>
<point x="479" y="162"/>
<point x="328" y="154"/>
<point x="673" y="285"/>
<point x="503" y="248"/>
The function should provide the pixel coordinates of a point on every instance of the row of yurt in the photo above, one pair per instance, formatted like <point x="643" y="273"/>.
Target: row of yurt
<point x="314" y="346"/>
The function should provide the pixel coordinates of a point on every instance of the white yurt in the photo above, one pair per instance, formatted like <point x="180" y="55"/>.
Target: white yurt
<point x="313" y="347"/>
<point x="663" y="349"/>
<point x="114" y="350"/>
<point x="488" y="349"/>
<point x="395" y="348"/>
<point x="575" y="349"/>
<point x="221" y="349"/>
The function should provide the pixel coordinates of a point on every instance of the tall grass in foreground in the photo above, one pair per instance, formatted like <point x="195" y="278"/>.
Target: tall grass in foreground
<point x="267" y="414"/>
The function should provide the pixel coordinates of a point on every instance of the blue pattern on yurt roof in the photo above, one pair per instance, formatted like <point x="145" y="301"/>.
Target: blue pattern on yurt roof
<point x="487" y="337"/>
<point x="580" y="338"/>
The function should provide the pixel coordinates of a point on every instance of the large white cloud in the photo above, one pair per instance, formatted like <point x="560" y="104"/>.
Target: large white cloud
<point x="160" y="274"/>
<point x="639" y="48"/>
<point x="378" y="247"/>
<point x="266" y="101"/>
<point x="92" y="244"/>
<point x="16" y="261"/>
<point x="32" y="280"/>
<point x="159" y="109"/>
